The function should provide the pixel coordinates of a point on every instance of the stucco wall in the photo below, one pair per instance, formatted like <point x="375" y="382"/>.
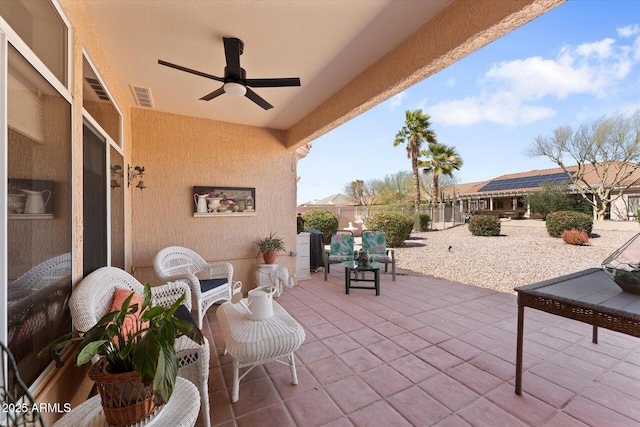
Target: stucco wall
<point x="180" y="152"/>
<point x="70" y="384"/>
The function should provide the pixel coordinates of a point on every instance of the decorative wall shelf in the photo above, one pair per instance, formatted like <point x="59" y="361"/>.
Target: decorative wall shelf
<point x="30" y="216"/>
<point x="222" y="214"/>
<point x="217" y="201"/>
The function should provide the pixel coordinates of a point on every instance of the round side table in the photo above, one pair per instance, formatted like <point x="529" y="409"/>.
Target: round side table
<point x="181" y="410"/>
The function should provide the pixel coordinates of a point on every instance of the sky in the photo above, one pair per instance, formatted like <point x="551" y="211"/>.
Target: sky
<point x="570" y="66"/>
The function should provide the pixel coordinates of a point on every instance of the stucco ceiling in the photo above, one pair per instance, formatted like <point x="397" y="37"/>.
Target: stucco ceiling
<point x="325" y="43"/>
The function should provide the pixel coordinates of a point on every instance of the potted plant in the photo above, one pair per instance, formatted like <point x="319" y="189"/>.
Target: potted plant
<point x="138" y="365"/>
<point x="269" y="247"/>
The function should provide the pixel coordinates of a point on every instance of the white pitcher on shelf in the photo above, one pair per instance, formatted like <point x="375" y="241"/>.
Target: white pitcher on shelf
<point x="36" y="202"/>
<point x="201" y="202"/>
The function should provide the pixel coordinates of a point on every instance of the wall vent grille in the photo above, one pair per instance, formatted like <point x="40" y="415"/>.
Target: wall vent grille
<point x="97" y="88"/>
<point x="143" y="96"/>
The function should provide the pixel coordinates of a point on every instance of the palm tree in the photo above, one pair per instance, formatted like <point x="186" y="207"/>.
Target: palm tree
<point x="414" y="132"/>
<point x="441" y="160"/>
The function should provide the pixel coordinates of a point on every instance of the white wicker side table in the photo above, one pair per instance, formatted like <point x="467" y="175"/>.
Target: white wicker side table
<point x="181" y="410"/>
<point x="254" y="342"/>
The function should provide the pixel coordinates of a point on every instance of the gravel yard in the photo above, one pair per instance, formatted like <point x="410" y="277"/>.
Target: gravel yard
<point x="523" y="253"/>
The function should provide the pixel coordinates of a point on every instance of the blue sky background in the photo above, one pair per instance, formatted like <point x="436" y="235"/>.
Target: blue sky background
<point x="570" y="66"/>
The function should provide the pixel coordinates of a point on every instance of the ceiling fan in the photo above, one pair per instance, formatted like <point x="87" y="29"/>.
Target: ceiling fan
<point x="235" y="81"/>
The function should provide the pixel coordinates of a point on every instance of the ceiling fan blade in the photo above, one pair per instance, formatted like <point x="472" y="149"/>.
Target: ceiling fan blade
<point x="232" y="51"/>
<point x="290" y="81"/>
<point x="189" y="70"/>
<point x="258" y="99"/>
<point x="213" y="94"/>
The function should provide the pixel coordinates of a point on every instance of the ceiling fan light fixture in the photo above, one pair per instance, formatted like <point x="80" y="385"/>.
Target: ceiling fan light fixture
<point x="235" y="89"/>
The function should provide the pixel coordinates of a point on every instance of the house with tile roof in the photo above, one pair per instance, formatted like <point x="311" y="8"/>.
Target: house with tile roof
<point x="505" y="195"/>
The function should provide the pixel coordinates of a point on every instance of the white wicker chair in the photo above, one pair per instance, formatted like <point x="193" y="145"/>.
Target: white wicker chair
<point x="92" y="298"/>
<point x="45" y="273"/>
<point x="178" y="263"/>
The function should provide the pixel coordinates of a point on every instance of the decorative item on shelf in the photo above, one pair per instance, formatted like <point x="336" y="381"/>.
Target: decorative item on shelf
<point x="224" y="201"/>
<point x="30" y="198"/>
<point x="362" y="258"/>
<point x="132" y="340"/>
<point x="116" y="171"/>
<point x="36" y="201"/>
<point x="249" y="204"/>
<point x="136" y="172"/>
<point x="623" y="266"/>
<point x="214" y="203"/>
<point x="15" y="203"/>
<point x="269" y="247"/>
<point x="201" y="202"/>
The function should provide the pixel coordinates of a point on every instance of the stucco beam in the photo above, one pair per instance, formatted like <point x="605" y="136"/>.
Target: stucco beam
<point x="460" y="29"/>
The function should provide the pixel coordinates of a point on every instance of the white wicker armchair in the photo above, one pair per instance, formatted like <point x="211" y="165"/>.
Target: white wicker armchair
<point x="45" y="273"/>
<point x="178" y="263"/>
<point x="92" y="298"/>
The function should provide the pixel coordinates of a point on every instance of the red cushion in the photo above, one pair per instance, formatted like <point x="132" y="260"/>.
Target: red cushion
<point x="129" y="325"/>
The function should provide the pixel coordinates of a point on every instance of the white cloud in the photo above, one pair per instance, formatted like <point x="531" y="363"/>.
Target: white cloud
<point x="512" y="90"/>
<point x="396" y="100"/>
<point x="470" y="111"/>
<point x="628" y="31"/>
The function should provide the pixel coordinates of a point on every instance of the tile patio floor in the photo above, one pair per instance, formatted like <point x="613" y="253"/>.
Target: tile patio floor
<point x="429" y="352"/>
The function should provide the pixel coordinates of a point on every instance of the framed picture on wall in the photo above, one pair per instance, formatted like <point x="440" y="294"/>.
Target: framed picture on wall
<point x="223" y="201"/>
<point x="30" y="198"/>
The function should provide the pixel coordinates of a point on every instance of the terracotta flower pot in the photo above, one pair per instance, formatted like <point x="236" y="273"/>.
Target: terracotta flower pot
<point x="270" y="257"/>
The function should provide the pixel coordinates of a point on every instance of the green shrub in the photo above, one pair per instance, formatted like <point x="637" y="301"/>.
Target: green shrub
<point x="423" y="220"/>
<point x="557" y="222"/>
<point x="321" y="220"/>
<point x="396" y="226"/>
<point x="484" y="225"/>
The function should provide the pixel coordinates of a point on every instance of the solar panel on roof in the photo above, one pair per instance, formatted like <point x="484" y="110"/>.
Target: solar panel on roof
<point x="526" y="182"/>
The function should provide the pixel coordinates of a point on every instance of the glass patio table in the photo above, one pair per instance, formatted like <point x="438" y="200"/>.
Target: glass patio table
<point x="352" y="268"/>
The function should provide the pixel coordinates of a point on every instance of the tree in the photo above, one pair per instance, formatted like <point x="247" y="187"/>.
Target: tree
<point x="363" y="193"/>
<point x="355" y="190"/>
<point x="554" y="198"/>
<point x="608" y="148"/>
<point x="395" y="188"/>
<point x="441" y="160"/>
<point x="444" y="182"/>
<point x="415" y="131"/>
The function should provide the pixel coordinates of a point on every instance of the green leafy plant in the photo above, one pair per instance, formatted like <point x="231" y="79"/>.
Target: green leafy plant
<point x="423" y="220"/>
<point x="397" y="227"/>
<point x="321" y="220"/>
<point x="484" y="225"/>
<point x="557" y="222"/>
<point x="271" y="243"/>
<point x="133" y="338"/>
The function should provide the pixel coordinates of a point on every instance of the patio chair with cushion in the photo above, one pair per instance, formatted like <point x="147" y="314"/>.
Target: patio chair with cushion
<point x="93" y="298"/>
<point x="340" y="250"/>
<point x="178" y="263"/>
<point x="375" y="243"/>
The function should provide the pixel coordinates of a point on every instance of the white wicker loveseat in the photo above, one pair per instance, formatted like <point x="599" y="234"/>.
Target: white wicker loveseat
<point x="178" y="263"/>
<point x="92" y="299"/>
